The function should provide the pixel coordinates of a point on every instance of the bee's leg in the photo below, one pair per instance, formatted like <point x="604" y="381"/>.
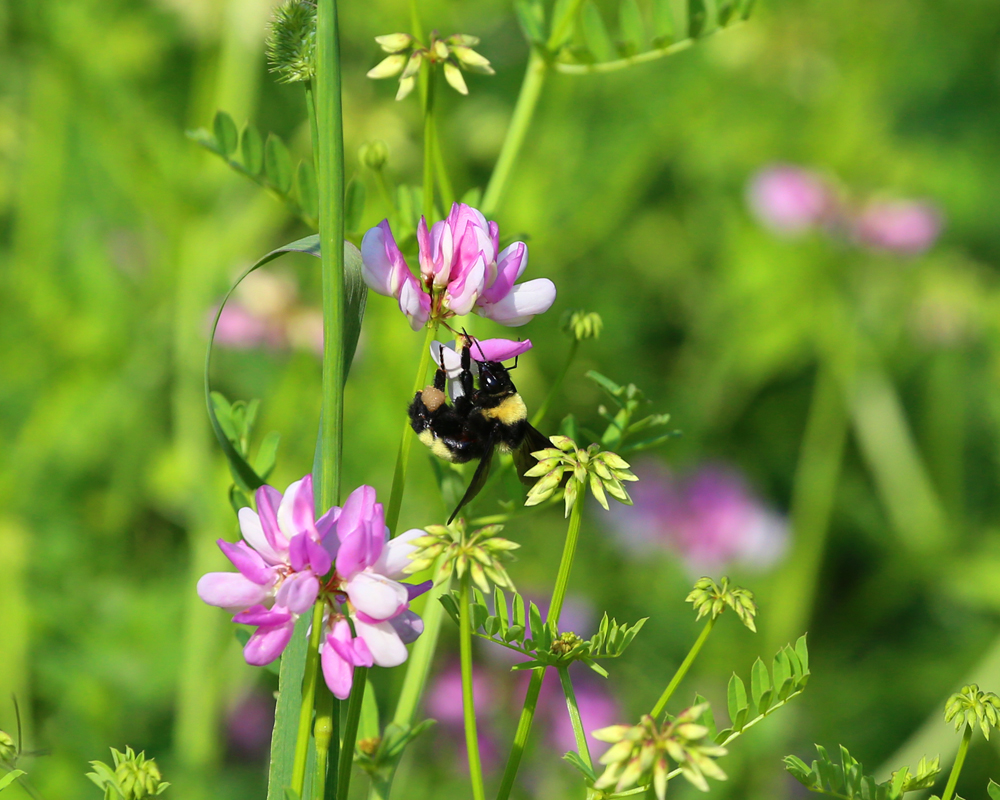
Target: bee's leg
<point x="440" y="379"/>
<point x="468" y="387"/>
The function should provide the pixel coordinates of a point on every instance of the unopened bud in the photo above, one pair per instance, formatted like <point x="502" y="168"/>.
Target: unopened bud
<point x="369" y="746"/>
<point x="374" y="154"/>
<point x="394" y="42"/>
<point x="582" y="325"/>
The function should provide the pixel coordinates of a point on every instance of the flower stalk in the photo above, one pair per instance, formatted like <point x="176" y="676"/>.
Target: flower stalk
<point x="468" y="698"/>
<point x="308" y="701"/>
<point x="682" y="670"/>
<point x="582" y="749"/>
<point x="956" y="768"/>
<point x="354" y="705"/>
<point x="325" y="730"/>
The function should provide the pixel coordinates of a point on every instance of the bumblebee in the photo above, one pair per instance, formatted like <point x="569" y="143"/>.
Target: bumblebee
<point x="480" y="421"/>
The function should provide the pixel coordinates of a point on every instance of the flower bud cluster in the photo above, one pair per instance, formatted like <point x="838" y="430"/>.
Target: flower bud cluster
<point x="971" y="706"/>
<point x="132" y="778"/>
<point x="481" y="553"/>
<point x="581" y="325"/>
<point x="291" y="41"/>
<point x="641" y="754"/>
<point x="407" y="54"/>
<point x="708" y="597"/>
<point x="602" y="470"/>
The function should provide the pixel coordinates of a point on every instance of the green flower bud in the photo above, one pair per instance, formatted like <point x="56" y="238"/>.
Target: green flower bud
<point x="373" y="154"/>
<point x="8" y="752"/>
<point x="388" y="67"/>
<point x="582" y="325"/>
<point x="395" y="42"/>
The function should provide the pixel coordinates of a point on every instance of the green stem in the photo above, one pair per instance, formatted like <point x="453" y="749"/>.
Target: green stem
<point x="403" y="454"/>
<point x="330" y="135"/>
<point x="351" y="731"/>
<point x="313" y="128"/>
<point x="524" y="110"/>
<point x="417" y="670"/>
<point x="444" y="182"/>
<point x="956" y="768"/>
<point x="556" y="385"/>
<point x="429" y="143"/>
<point x="415" y="23"/>
<point x="468" y="698"/>
<point x="574" y="717"/>
<point x="682" y="669"/>
<point x="537" y="675"/>
<point x="308" y="700"/>
<point x="324" y="732"/>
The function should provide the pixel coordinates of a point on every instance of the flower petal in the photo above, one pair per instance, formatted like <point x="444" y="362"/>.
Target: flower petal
<point x="414" y="590"/>
<point x="524" y="302"/>
<point x="338" y="674"/>
<point x="396" y="554"/>
<point x="498" y="349"/>
<point x="376" y="596"/>
<point x="510" y="266"/>
<point x="298" y="555"/>
<point x="259" y="615"/>
<point x="319" y="558"/>
<point x="231" y="590"/>
<point x="253" y="534"/>
<point x="414" y="302"/>
<point x="408" y="626"/>
<point x="463" y="292"/>
<point x="267" y="643"/>
<point x="383" y="641"/>
<point x="361" y="530"/>
<point x="298" y="592"/>
<point x="247" y="561"/>
<point x="383" y="266"/>
<point x="268" y="500"/>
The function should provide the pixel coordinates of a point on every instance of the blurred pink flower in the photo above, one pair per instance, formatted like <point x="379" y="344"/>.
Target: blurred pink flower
<point x="444" y="703"/>
<point x="790" y="200"/>
<point x="265" y="312"/>
<point x="249" y="724"/>
<point x="907" y="227"/>
<point x="462" y="269"/>
<point x="709" y="518"/>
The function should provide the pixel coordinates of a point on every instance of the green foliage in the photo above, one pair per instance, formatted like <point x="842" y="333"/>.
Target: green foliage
<point x="580" y="325"/>
<point x="708" y="597"/>
<point x="768" y="692"/>
<point x="10" y="777"/>
<point x="845" y="779"/>
<point x="622" y="425"/>
<point x="237" y="423"/>
<point x="519" y="626"/>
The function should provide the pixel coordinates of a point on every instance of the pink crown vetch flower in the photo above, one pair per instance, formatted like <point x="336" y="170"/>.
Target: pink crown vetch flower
<point x="288" y="559"/>
<point x="462" y="270"/>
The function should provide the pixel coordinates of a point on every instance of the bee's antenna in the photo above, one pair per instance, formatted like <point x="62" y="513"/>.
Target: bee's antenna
<point x="440" y="358"/>
<point x="475" y="341"/>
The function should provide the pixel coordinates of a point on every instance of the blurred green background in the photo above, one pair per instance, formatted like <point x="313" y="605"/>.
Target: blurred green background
<point x="856" y="392"/>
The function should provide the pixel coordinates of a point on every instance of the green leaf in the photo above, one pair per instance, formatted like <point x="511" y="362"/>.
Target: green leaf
<point x="450" y="605"/>
<point x="664" y="32"/>
<point x="515" y="633"/>
<point x="354" y="205"/>
<point x="368" y="725"/>
<point x="267" y="454"/>
<point x="760" y="686"/>
<point x="519" y="615"/>
<point x="576" y="761"/>
<point x="707" y="717"/>
<point x="595" y="35"/>
<point x="306" y="189"/>
<point x="277" y="164"/>
<point x="993" y="790"/>
<point x="10" y="777"/>
<point x="781" y="668"/>
<point x="535" y="622"/>
<point x="286" y="711"/>
<point x="291" y="794"/>
<point x="531" y="18"/>
<point x="697" y="18"/>
<point x="356" y="295"/>
<point x="500" y="607"/>
<point x="737" y="698"/>
<point x="492" y="625"/>
<point x="803" y="653"/>
<point x="252" y="147"/>
<point x="746" y="8"/>
<point x="226" y="134"/>
<point x="633" y="33"/>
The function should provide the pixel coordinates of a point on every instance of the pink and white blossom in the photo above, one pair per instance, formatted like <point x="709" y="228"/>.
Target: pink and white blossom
<point x="288" y="559"/>
<point x="907" y="227"/>
<point x="462" y="270"/>
<point x="790" y="200"/>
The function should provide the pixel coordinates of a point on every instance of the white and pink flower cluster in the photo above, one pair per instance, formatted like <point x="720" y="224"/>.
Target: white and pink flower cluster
<point x="288" y="559"/>
<point x="791" y="201"/>
<point x="462" y="270"/>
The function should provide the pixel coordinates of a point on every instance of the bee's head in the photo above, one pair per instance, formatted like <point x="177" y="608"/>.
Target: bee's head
<point x="494" y="378"/>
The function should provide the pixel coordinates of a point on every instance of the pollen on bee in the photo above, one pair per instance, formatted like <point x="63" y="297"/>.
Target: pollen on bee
<point x="433" y="398"/>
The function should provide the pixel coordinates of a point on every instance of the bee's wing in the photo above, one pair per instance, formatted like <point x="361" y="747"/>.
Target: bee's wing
<point x="534" y="440"/>
<point x="478" y="479"/>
